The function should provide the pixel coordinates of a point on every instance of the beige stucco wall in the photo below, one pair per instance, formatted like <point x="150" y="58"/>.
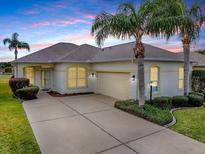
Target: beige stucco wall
<point x="60" y="79"/>
<point x="168" y="76"/>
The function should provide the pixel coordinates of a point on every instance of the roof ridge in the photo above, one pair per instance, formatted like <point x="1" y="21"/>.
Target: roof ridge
<point x="117" y="45"/>
<point x="160" y="48"/>
<point x="82" y="45"/>
<point x="72" y="51"/>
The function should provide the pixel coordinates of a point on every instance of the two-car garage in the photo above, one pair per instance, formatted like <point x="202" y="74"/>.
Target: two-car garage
<point x="114" y="84"/>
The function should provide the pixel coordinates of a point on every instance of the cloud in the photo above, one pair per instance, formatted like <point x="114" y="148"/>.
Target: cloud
<point x="6" y="59"/>
<point x="40" y="24"/>
<point x="2" y="37"/>
<point x="2" y="49"/>
<point x="72" y="21"/>
<point x="172" y="48"/>
<point x="90" y="16"/>
<point x="31" y="12"/>
<point x="40" y="46"/>
<point x="64" y="22"/>
<point x="79" y="38"/>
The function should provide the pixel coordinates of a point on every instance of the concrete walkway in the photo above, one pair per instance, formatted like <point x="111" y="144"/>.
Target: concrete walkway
<point x="90" y="124"/>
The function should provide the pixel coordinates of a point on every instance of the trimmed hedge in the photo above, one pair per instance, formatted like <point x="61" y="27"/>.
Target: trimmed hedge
<point x="198" y="73"/>
<point x="197" y="93"/>
<point x="195" y="100"/>
<point x="18" y="83"/>
<point x="180" y="101"/>
<point x="163" y="102"/>
<point x="28" y="93"/>
<point x="149" y="112"/>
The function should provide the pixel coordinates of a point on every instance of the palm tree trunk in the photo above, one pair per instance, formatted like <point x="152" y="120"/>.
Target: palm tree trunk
<point x="186" y="48"/>
<point x="16" y="57"/>
<point x="16" y="54"/>
<point x="139" y="54"/>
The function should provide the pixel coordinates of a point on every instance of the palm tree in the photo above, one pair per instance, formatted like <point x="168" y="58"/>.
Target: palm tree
<point x="128" y="22"/>
<point x="174" y="17"/>
<point x="15" y="44"/>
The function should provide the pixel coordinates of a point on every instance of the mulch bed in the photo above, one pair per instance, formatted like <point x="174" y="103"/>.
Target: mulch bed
<point x="56" y="94"/>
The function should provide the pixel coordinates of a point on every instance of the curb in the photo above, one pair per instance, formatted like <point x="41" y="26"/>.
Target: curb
<point x="174" y="121"/>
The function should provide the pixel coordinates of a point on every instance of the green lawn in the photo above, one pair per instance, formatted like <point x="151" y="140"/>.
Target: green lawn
<point x="16" y="136"/>
<point x="191" y="122"/>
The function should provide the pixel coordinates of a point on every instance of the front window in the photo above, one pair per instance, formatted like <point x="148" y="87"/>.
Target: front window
<point x="154" y="78"/>
<point x="181" y="78"/>
<point x="29" y="74"/>
<point x="77" y="77"/>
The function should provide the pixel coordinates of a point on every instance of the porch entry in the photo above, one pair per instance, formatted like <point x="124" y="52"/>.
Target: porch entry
<point x="46" y="79"/>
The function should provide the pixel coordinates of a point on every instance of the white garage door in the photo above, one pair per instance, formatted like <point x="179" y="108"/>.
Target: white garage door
<point x="113" y="84"/>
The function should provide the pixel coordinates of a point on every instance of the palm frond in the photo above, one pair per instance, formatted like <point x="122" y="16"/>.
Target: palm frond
<point x="127" y="9"/>
<point x="6" y="41"/>
<point x="23" y="45"/>
<point x="15" y="36"/>
<point x="173" y="18"/>
<point x="119" y="26"/>
<point x="197" y="13"/>
<point x="10" y="47"/>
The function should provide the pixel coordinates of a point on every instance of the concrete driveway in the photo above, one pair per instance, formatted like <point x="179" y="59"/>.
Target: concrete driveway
<point x="89" y="124"/>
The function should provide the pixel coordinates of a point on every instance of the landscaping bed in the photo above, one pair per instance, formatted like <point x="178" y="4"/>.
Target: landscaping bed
<point x="149" y="112"/>
<point x="189" y="118"/>
<point x="16" y="135"/>
<point x="56" y="94"/>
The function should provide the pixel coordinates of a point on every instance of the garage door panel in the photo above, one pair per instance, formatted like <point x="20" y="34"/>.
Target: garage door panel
<point x="113" y="84"/>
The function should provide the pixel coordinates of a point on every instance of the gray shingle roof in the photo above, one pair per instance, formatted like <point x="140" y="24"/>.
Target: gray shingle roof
<point x="48" y="55"/>
<point x="67" y="52"/>
<point x="125" y="52"/>
<point x="195" y="57"/>
<point x="82" y="53"/>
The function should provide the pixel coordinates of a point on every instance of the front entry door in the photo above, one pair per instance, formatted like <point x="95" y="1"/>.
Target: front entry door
<point x="46" y="79"/>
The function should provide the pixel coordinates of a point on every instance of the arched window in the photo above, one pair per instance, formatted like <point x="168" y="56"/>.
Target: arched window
<point x="77" y="77"/>
<point x="181" y="77"/>
<point x="154" y="78"/>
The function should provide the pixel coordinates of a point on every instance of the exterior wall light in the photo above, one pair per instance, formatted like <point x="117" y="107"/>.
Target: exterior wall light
<point x="133" y="78"/>
<point x="92" y="75"/>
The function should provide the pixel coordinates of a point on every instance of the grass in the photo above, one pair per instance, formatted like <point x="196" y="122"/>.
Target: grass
<point x="149" y="112"/>
<point x="191" y="122"/>
<point x="16" y="136"/>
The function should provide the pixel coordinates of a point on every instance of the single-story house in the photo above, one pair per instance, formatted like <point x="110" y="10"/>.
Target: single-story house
<point x="112" y="71"/>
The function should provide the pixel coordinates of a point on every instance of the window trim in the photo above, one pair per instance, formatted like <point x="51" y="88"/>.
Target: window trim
<point x="86" y="77"/>
<point x="178" y="79"/>
<point x="158" y="81"/>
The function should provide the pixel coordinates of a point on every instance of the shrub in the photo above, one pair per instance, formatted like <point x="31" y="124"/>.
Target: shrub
<point x="197" y="93"/>
<point x="149" y="112"/>
<point x="198" y="80"/>
<point x="198" y="73"/>
<point x="195" y="100"/>
<point x="28" y="93"/>
<point x="18" y="83"/>
<point x="180" y="101"/>
<point x="163" y="102"/>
